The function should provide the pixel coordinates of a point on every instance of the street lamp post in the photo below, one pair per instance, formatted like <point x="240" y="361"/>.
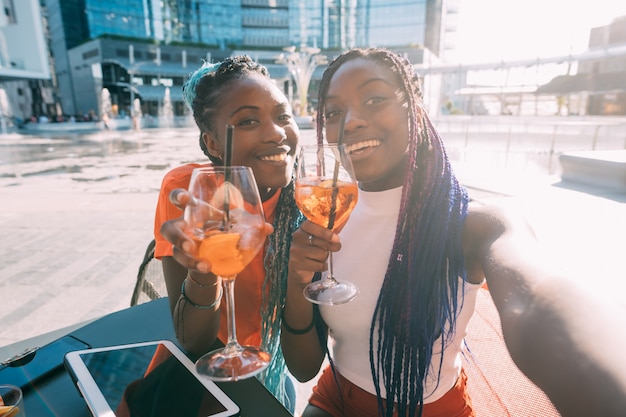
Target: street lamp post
<point x="301" y="65"/>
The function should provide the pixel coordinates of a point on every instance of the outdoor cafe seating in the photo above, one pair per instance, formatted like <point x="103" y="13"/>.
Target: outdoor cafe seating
<point x="496" y="386"/>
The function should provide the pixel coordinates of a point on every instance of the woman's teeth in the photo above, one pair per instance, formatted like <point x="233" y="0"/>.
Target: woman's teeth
<point x="355" y="147"/>
<point x="275" y="158"/>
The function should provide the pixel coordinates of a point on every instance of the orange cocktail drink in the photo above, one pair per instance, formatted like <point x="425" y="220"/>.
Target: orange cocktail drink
<point x="316" y="199"/>
<point x="226" y="253"/>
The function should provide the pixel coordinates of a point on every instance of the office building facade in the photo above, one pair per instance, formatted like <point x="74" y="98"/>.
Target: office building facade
<point x="157" y="43"/>
<point x="24" y="62"/>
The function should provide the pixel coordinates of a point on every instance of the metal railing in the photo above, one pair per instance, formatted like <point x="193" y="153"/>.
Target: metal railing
<point x="526" y="143"/>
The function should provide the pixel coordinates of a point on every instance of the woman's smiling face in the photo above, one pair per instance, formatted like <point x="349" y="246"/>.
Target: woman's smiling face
<point x="266" y="134"/>
<point x="376" y="132"/>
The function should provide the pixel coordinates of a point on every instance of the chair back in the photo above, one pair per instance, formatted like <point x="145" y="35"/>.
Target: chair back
<point x="150" y="283"/>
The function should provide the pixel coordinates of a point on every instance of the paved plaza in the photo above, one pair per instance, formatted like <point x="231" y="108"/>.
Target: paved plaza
<point x="76" y="219"/>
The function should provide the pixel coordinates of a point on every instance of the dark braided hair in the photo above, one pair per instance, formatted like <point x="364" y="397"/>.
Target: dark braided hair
<point x="203" y="92"/>
<point x="204" y="89"/>
<point x="417" y="306"/>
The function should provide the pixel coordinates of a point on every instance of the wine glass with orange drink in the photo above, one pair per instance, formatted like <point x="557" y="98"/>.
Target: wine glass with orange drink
<point x="326" y="193"/>
<point x="225" y="217"/>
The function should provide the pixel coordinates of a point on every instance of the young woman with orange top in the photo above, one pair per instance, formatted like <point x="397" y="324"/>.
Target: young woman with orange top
<point x="237" y="92"/>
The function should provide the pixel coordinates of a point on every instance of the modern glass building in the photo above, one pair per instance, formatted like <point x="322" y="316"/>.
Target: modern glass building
<point x="24" y="65"/>
<point x="160" y="38"/>
<point x="341" y="24"/>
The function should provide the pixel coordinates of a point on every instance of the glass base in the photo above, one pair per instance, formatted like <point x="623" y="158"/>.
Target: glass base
<point x="232" y="364"/>
<point x="330" y="292"/>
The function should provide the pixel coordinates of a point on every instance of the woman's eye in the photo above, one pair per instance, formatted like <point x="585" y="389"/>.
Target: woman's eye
<point x="332" y="113"/>
<point x="247" y="122"/>
<point x="375" y="100"/>
<point x="285" y="117"/>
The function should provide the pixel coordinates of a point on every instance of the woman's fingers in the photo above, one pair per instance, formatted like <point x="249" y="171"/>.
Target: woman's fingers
<point x="311" y="234"/>
<point x="180" y="198"/>
<point x="268" y="229"/>
<point x="310" y="246"/>
<point x="173" y="231"/>
<point x="184" y="248"/>
<point x="190" y="262"/>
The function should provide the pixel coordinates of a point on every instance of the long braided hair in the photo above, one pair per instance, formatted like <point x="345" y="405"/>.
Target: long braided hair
<point x="417" y="307"/>
<point x="203" y="92"/>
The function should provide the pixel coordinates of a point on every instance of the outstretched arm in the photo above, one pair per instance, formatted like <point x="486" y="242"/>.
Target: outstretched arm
<point x="564" y="336"/>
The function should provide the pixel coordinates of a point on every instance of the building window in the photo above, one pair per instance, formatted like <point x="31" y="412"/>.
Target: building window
<point x="90" y="54"/>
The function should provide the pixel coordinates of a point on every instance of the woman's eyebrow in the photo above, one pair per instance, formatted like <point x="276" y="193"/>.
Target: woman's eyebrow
<point x="238" y="109"/>
<point x="364" y="84"/>
<point x="372" y="80"/>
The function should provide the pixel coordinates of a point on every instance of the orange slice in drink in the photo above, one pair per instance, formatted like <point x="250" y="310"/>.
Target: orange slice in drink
<point x="222" y="252"/>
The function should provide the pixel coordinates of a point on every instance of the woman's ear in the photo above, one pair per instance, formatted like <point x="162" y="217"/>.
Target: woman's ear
<point x="212" y="144"/>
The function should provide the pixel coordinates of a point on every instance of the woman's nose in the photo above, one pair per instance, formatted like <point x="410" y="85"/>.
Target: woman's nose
<point x="276" y="134"/>
<point x="353" y="119"/>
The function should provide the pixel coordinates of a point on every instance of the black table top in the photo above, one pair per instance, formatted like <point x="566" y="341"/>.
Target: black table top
<point x="56" y="394"/>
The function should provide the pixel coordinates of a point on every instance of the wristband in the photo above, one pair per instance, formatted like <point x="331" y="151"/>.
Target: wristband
<point x="190" y="278"/>
<point x="200" y="306"/>
<point x="297" y="331"/>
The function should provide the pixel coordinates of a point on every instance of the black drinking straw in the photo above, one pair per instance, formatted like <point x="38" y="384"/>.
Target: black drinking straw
<point x="228" y="152"/>
<point x="333" y="202"/>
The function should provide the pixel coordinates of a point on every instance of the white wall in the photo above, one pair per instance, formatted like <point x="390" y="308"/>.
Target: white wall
<point x="23" y="52"/>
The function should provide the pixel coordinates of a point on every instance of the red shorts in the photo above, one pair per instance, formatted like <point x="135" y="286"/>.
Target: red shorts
<point x="350" y="400"/>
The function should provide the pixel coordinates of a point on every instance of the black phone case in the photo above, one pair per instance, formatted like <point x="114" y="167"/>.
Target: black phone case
<point x="46" y="360"/>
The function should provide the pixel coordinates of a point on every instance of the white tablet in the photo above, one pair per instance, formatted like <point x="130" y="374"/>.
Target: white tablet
<point x="150" y="379"/>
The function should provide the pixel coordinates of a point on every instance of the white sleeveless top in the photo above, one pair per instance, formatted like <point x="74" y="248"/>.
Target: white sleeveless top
<point x="366" y="244"/>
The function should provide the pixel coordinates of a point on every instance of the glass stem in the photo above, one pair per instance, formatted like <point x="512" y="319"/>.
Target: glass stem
<point x="229" y="291"/>
<point x="330" y="278"/>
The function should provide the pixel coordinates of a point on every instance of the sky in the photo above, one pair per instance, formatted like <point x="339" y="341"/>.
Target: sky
<point x="496" y="30"/>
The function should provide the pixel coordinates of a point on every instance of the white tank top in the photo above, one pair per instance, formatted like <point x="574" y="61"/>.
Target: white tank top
<point x="366" y="243"/>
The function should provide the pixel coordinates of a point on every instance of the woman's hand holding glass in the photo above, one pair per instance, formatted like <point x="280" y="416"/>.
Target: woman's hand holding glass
<point x="309" y="252"/>
<point x="326" y="193"/>
<point x="185" y="249"/>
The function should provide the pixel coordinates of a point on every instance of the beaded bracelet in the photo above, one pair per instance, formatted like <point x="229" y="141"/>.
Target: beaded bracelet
<point x="200" y="306"/>
<point x="190" y="278"/>
<point x="297" y="331"/>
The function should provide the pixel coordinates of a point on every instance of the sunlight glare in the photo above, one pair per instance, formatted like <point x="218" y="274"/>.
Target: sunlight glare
<point x="495" y="30"/>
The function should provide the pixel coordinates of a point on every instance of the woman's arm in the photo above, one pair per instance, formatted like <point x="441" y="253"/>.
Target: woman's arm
<point x="196" y="315"/>
<point x="196" y="327"/>
<point x="564" y="336"/>
<point x="299" y="340"/>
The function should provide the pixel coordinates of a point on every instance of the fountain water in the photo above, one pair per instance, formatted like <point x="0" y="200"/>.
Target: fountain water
<point x="136" y="114"/>
<point x="106" y="109"/>
<point x="166" y="115"/>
